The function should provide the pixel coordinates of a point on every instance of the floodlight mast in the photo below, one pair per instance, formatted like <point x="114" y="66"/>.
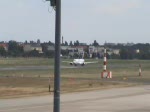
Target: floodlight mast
<point x="57" y="5"/>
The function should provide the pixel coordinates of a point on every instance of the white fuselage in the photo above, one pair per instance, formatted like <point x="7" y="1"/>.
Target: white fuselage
<point x="78" y="62"/>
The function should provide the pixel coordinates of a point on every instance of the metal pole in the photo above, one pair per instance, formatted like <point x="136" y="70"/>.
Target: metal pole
<point x="57" y="57"/>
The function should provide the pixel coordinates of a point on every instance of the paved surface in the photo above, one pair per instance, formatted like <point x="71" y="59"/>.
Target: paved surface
<point x="32" y="68"/>
<point x="131" y="99"/>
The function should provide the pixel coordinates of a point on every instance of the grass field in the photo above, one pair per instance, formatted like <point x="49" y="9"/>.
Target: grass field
<point x="17" y="83"/>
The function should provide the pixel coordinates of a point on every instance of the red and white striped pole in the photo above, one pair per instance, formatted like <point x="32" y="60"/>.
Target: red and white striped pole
<point x="140" y="71"/>
<point x="105" y="73"/>
<point x="105" y="60"/>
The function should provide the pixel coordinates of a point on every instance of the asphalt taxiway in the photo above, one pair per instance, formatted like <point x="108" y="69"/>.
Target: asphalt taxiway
<point x="32" y="68"/>
<point x="129" y="99"/>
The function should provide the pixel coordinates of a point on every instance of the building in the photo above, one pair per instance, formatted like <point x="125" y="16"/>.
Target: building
<point x="50" y="47"/>
<point x="31" y="47"/>
<point x="5" y="46"/>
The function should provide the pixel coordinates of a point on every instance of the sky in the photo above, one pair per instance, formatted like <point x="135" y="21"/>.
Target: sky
<point x="112" y="21"/>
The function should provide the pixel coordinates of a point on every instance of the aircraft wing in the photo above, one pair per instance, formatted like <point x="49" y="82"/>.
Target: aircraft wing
<point x="91" y="62"/>
<point x="67" y="61"/>
<point x="70" y="62"/>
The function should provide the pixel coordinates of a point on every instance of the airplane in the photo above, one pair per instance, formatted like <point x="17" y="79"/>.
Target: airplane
<point x="81" y="62"/>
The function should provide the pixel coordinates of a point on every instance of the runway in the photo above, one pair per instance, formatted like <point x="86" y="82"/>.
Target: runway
<point x="129" y="99"/>
<point x="32" y="68"/>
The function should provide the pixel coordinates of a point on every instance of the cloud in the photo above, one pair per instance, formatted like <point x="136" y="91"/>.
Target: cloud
<point x="116" y="7"/>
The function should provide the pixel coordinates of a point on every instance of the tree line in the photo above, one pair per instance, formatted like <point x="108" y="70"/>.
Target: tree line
<point x="136" y="51"/>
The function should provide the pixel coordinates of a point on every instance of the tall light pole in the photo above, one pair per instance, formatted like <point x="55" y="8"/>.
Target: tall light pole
<point x="57" y="5"/>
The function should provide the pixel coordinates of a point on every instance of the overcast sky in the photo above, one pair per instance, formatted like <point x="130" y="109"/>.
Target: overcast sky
<point x="116" y="21"/>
